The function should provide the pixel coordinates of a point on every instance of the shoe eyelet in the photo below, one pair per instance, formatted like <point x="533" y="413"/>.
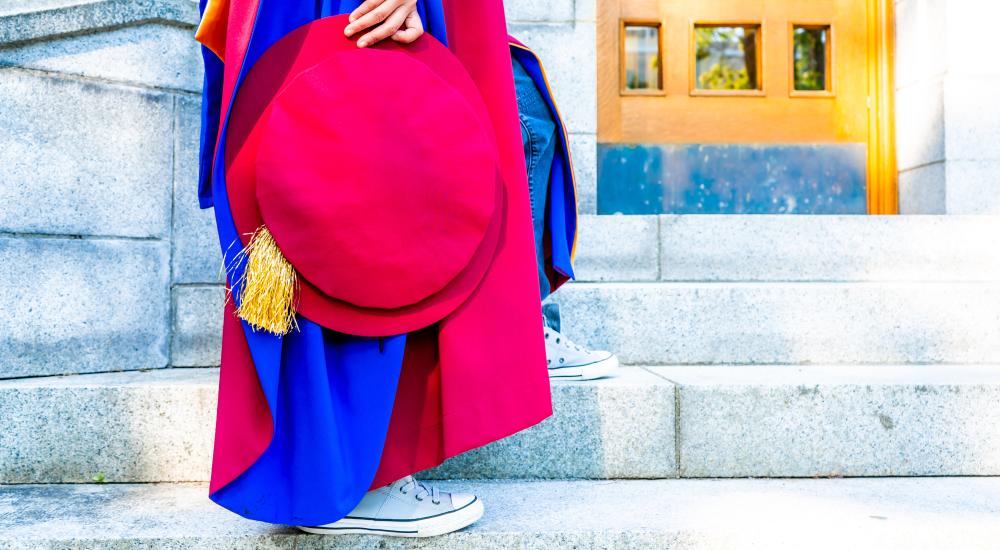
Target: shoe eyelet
<point x="402" y="491"/>
<point x="562" y="360"/>
<point x="418" y="498"/>
<point x="436" y="502"/>
<point x="549" y="361"/>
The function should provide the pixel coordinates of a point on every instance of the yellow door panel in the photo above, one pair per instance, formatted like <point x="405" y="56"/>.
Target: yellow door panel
<point x="728" y="73"/>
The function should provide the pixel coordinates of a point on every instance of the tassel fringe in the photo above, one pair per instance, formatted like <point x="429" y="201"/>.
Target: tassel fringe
<point x="268" y="287"/>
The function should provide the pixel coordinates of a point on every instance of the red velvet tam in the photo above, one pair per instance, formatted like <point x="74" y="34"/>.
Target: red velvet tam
<point x="374" y="169"/>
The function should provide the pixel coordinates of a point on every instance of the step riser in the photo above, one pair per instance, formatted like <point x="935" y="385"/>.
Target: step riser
<point x="163" y="432"/>
<point x="786" y="323"/>
<point x="839" y="430"/>
<point x="711" y="323"/>
<point x="720" y="422"/>
<point x="788" y="248"/>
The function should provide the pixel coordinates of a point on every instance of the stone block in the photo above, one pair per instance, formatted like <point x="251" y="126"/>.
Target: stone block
<point x="82" y="305"/>
<point x="973" y="186"/>
<point x="970" y="37"/>
<point x="923" y="190"/>
<point x="47" y="19"/>
<point x="617" y="248"/>
<point x="583" y="148"/>
<point x="921" y="41"/>
<point x="153" y="55"/>
<point x="786" y="323"/>
<point x="82" y="158"/>
<point x="149" y="426"/>
<point x="531" y="10"/>
<point x="196" y="255"/>
<point x="830" y="248"/>
<point x="11" y="7"/>
<point x="838" y="421"/>
<point x="568" y="53"/>
<point x="586" y="10"/>
<point x="920" y="125"/>
<point x="196" y="338"/>
<point x="972" y="118"/>
<point x="617" y="428"/>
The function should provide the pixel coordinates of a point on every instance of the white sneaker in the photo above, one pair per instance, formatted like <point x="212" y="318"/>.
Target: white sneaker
<point x="407" y="508"/>
<point x="574" y="362"/>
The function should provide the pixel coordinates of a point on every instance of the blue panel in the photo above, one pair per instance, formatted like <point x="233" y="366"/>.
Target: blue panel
<point x="731" y="179"/>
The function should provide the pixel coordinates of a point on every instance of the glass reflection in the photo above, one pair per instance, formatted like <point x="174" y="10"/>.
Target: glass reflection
<point x="810" y="46"/>
<point x="642" y="58"/>
<point x="726" y="57"/>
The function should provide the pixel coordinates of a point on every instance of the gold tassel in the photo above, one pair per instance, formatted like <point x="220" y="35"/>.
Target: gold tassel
<point x="268" y="287"/>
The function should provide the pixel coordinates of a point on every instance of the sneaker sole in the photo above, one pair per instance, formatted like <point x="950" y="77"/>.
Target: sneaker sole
<point x="427" y="527"/>
<point x="590" y="371"/>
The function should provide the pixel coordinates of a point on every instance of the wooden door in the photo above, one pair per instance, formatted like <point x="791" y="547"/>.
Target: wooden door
<point x="744" y="106"/>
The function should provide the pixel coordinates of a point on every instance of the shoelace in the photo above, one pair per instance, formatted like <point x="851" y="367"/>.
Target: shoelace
<point x="562" y="341"/>
<point x="423" y="491"/>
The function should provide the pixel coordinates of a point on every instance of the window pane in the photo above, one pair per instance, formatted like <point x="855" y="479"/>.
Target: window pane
<point x="726" y="57"/>
<point x="810" y="50"/>
<point x="642" y="57"/>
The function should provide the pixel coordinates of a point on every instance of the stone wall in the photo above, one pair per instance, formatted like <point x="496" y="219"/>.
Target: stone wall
<point x="563" y="34"/>
<point x="106" y="261"/>
<point x="98" y="221"/>
<point x="947" y="115"/>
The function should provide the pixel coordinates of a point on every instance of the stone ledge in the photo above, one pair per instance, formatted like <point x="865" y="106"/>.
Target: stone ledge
<point x="672" y="323"/>
<point x="830" y="248"/>
<point x="780" y="248"/>
<point x="668" y="514"/>
<point x="158" y="426"/>
<point x="781" y="421"/>
<point x="889" y="420"/>
<point x="84" y="18"/>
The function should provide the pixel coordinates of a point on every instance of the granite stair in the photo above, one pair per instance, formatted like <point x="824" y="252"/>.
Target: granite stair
<point x="912" y="513"/>
<point x="647" y="423"/>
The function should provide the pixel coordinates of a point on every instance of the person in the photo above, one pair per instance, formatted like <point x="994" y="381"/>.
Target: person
<point x="546" y="146"/>
<point x="281" y="391"/>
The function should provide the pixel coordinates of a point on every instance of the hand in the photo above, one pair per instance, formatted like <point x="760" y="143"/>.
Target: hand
<point x="396" y="19"/>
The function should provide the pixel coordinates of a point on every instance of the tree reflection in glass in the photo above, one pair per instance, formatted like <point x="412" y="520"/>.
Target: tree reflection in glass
<point x="726" y="57"/>
<point x="810" y="58"/>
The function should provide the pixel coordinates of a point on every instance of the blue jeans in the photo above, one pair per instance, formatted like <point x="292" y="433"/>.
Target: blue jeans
<point x="538" y="136"/>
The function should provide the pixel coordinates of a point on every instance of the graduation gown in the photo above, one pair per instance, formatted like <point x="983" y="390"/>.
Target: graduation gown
<point x="310" y="421"/>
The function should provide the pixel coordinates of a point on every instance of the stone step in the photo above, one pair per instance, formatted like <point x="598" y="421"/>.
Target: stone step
<point x="788" y="248"/>
<point x="786" y="323"/>
<point x="929" y="513"/>
<point x="24" y="21"/>
<point x="158" y="426"/>
<point x="656" y="422"/>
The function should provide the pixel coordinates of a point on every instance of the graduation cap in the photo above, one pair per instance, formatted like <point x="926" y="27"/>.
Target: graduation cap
<point x="364" y="183"/>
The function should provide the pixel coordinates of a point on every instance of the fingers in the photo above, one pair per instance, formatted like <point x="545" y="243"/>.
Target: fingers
<point x="412" y="28"/>
<point x="365" y="7"/>
<point x="371" y="13"/>
<point x="388" y="27"/>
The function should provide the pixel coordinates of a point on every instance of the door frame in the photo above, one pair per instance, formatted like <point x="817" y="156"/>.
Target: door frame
<point x="883" y="188"/>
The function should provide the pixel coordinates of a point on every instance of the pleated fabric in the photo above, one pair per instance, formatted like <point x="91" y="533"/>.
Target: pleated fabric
<point x="308" y="422"/>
